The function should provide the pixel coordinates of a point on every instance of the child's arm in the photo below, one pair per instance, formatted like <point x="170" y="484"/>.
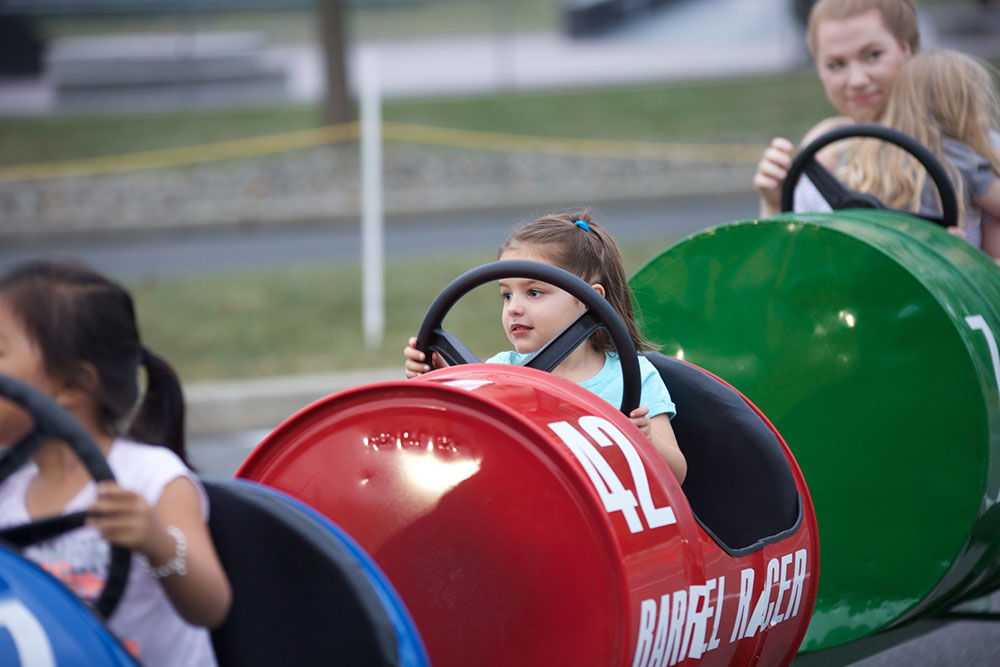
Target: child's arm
<point x="989" y="201"/>
<point x="991" y="238"/>
<point x="660" y="433"/>
<point x="202" y="595"/>
<point x="416" y="360"/>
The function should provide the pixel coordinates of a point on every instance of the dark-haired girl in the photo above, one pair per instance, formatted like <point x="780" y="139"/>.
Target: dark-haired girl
<point x="534" y="312"/>
<point x="72" y="333"/>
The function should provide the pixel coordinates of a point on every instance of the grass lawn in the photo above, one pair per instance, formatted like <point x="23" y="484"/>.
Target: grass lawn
<point x="308" y="319"/>
<point x="734" y="110"/>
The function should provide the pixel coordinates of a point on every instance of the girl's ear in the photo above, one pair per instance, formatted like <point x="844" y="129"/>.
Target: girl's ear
<point x="80" y="390"/>
<point x="599" y="288"/>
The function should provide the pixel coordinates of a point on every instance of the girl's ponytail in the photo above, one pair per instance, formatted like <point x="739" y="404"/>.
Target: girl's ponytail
<point x="160" y="417"/>
<point x="77" y="316"/>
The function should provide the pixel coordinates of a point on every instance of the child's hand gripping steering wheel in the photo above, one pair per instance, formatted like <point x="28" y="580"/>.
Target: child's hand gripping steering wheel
<point x="598" y="314"/>
<point x="52" y="421"/>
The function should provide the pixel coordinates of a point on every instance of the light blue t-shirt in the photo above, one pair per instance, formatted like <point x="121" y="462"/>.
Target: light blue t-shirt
<point x="608" y="382"/>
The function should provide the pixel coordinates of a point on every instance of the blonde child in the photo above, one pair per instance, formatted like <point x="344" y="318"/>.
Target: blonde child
<point x="945" y="100"/>
<point x="534" y="312"/>
<point x="71" y="333"/>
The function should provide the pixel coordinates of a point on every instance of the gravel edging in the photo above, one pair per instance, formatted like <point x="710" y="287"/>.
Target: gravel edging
<point x="323" y="184"/>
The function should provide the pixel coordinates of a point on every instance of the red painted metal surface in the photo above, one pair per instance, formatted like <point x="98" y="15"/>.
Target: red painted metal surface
<point x="524" y="521"/>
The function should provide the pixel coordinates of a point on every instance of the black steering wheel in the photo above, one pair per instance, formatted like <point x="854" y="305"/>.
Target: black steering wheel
<point x="838" y="196"/>
<point x="598" y="314"/>
<point x="52" y="421"/>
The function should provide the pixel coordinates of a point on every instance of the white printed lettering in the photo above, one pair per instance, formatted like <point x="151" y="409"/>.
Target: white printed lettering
<point x="675" y="627"/>
<point x="647" y="619"/>
<point x="699" y="609"/>
<point x="675" y="634"/>
<point x="783" y="585"/>
<point x="713" y="643"/>
<point x="797" y="579"/>
<point x="598" y="429"/>
<point x="978" y="322"/>
<point x="743" y="609"/>
<point x="30" y="641"/>
<point x="660" y="644"/>
<point x="763" y="610"/>
<point x="614" y="496"/>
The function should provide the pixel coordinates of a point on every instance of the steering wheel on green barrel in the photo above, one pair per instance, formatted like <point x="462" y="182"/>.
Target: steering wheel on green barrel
<point x="52" y="421"/>
<point x="598" y="314"/>
<point x="839" y="196"/>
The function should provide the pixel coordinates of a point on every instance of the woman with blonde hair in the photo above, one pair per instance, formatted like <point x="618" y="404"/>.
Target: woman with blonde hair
<point x="858" y="47"/>
<point x="946" y="100"/>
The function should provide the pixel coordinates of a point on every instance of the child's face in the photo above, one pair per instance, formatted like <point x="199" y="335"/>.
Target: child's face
<point x="533" y="311"/>
<point x="20" y="359"/>
<point x="857" y="59"/>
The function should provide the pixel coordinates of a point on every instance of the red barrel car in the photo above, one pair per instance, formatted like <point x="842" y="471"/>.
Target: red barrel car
<point x="526" y="521"/>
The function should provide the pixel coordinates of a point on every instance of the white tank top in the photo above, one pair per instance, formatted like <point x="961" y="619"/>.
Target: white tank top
<point x="144" y="620"/>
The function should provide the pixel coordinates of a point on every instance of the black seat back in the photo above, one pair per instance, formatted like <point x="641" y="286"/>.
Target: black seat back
<point x="299" y="597"/>
<point x="739" y="482"/>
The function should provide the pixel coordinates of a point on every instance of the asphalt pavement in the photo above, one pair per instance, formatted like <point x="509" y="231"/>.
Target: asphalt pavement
<point x="228" y="249"/>
<point x="681" y="39"/>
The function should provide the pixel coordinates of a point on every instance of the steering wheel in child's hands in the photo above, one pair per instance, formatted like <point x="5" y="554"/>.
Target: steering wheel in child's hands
<point x="50" y="420"/>
<point x="839" y="196"/>
<point x="598" y="314"/>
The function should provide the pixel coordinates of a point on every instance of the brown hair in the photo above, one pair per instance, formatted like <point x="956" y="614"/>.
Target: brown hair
<point x="898" y="16"/>
<point x="589" y="253"/>
<point x="75" y="316"/>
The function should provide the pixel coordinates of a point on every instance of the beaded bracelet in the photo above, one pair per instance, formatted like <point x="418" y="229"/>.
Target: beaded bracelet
<point x="177" y="564"/>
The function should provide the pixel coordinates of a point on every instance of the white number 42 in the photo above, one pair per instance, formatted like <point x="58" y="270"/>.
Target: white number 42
<point x="614" y="495"/>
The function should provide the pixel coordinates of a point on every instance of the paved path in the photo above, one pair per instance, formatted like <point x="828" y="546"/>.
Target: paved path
<point x="230" y="249"/>
<point x="680" y="39"/>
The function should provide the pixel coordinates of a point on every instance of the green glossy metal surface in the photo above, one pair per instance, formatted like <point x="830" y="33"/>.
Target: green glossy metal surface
<point x="849" y="331"/>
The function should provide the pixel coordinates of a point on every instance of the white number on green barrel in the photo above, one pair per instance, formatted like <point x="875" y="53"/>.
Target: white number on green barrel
<point x="977" y="322"/>
<point x="30" y="640"/>
<point x="614" y="495"/>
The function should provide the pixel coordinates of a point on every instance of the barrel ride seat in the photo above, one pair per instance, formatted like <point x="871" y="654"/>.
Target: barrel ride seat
<point x="299" y="597"/>
<point x="739" y="482"/>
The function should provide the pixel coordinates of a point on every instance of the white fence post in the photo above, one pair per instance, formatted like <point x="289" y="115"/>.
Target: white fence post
<point x="372" y="251"/>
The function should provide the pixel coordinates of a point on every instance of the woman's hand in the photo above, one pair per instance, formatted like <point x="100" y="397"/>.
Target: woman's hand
<point x="770" y="176"/>
<point x="416" y="361"/>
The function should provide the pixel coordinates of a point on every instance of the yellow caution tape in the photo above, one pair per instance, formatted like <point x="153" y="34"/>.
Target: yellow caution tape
<point x="402" y="132"/>
<point x="172" y="157"/>
<point x="644" y="150"/>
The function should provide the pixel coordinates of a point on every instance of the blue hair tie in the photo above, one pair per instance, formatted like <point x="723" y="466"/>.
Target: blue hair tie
<point x="582" y="224"/>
